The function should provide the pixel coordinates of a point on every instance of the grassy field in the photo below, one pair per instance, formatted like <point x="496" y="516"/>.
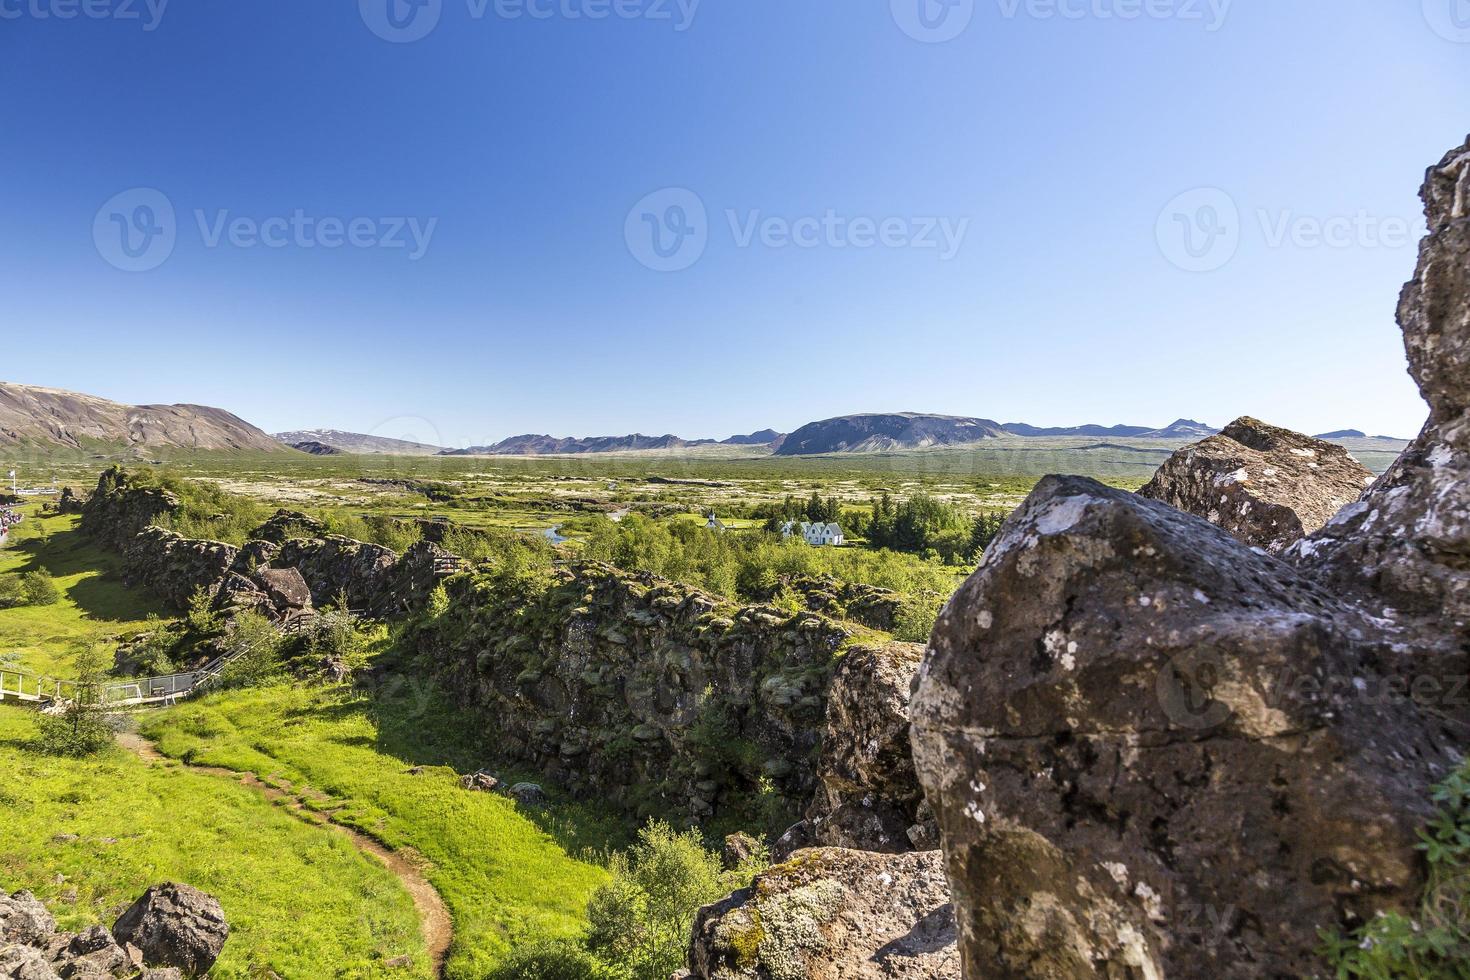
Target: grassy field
<point x="94" y="604"/>
<point x="506" y="874"/>
<point x="89" y="836"/>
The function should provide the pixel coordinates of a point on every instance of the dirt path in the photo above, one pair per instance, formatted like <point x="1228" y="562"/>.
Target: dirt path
<point x="434" y="920"/>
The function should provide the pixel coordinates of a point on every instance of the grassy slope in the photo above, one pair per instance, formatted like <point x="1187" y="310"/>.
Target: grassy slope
<point x="505" y="875"/>
<point x="301" y="900"/>
<point x="94" y="604"/>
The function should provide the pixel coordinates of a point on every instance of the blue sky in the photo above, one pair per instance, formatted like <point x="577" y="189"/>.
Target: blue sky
<point x="864" y="217"/>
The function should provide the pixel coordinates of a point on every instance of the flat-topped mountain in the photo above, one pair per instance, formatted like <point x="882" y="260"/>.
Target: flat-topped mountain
<point x="357" y="442"/>
<point x="53" y="418"/>
<point x="543" y="445"/>
<point x="879" y="433"/>
<point x="1180" y="429"/>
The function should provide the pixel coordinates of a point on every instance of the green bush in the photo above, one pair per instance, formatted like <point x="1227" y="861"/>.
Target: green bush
<point x="554" y="961"/>
<point x="258" y="644"/>
<point x="39" y="588"/>
<point x="642" y="917"/>
<point x="81" y="728"/>
<point x="11" y="594"/>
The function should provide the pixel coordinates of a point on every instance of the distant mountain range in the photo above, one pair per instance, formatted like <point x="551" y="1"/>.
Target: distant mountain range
<point x="50" y="418"/>
<point x="1179" y="429"/>
<point x="355" y="442"/>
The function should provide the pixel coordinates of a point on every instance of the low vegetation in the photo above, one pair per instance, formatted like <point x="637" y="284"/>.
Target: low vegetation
<point x="91" y="607"/>
<point x="386" y="765"/>
<point x="89" y="835"/>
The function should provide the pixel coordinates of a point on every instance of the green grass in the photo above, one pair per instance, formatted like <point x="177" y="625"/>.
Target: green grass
<point x="506" y="875"/>
<point x="301" y="901"/>
<point x="94" y="604"/>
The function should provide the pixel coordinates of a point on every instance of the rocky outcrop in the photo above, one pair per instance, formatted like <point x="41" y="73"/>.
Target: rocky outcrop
<point x="69" y="502"/>
<point x="1267" y="487"/>
<point x="175" y="925"/>
<point x="866" y="605"/>
<point x="118" y="509"/>
<point x="868" y="796"/>
<point x="278" y="573"/>
<point x="647" y="693"/>
<point x="172" y="931"/>
<point x="1155" y="751"/>
<point x="174" y="567"/>
<point x="832" y="914"/>
<point x="287" y="524"/>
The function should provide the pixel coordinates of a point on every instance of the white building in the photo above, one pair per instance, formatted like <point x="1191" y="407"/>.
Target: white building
<point x="816" y="534"/>
<point x="715" y="524"/>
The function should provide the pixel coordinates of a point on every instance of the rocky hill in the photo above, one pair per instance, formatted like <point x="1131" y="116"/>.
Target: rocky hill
<point x="357" y="442"/>
<point x="881" y="433"/>
<point x="48" y="418"/>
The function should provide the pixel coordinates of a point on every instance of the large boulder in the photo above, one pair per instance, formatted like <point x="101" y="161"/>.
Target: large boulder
<point x="178" y="928"/>
<point x="24" y="920"/>
<point x="175" y="925"/>
<point x="1154" y="751"/>
<point x="832" y="914"/>
<point x="1266" y="486"/>
<point x="174" y="567"/>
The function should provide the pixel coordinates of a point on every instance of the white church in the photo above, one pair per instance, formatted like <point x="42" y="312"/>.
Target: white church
<point x="815" y="533"/>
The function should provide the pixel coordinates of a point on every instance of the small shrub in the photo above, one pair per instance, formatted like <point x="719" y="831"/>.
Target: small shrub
<point x="200" y="618"/>
<point x="554" y="961"/>
<point x="641" y="918"/>
<point x="258" y="643"/>
<point x="11" y="593"/>
<point x="39" y="588"/>
<point x="81" y="728"/>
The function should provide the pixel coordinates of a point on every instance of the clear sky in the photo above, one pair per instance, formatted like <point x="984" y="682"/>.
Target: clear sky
<point x="961" y="206"/>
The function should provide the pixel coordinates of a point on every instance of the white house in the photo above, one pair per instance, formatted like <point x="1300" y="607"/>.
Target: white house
<point x="715" y="524"/>
<point x="817" y="534"/>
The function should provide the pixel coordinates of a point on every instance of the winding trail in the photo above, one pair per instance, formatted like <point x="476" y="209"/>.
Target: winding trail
<point x="434" y="920"/>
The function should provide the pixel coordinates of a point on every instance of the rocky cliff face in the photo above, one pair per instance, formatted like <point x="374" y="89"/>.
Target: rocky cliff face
<point x="1154" y="751"/>
<point x="645" y="692"/>
<point x="1266" y="486"/>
